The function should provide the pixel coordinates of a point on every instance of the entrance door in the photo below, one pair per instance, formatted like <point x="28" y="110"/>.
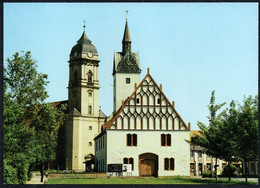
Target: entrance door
<point x="148" y="164"/>
<point x="147" y="167"/>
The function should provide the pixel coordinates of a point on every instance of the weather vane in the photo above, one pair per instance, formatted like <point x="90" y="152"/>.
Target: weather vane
<point x="126" y="14"/>
<point x="84" y="24"/>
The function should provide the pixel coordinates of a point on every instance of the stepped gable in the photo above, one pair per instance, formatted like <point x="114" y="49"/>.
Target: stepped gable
<point x="147" y="108"/>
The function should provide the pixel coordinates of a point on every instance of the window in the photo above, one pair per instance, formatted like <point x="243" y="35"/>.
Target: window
<point x="131" y="139"/>
<point x="90" y="76"/>
<point x="127" y="80"/>
<point x="166" y="140"/>
<point x="89" y="109"/>
<point x="169" y="164"/>
<point x="90" y="128"/>
<point x="90" y="143"/>
<point x="137" y="101"/>
<point x="89" y="94"/>
<point x="158" y="101"/>
<point x="129" y="161"/>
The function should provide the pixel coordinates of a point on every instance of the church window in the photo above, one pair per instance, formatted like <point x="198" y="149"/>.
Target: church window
<point x="168" y="164"/>
<point x="127" y="80"/>
<point x="129" y="161"/>
<point x="158" y="101"/>
<point x="89" y="109"/>
<point x="90" y="128"/>
<point x="90" y="76"/>
<point x="165" y="140"/>
<point x="131" y="139"/>
<point x="90" y="143"/>
<point x="137" y="100"/>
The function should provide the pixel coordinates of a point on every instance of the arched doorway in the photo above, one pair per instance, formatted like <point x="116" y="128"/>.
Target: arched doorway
<point x="148" y="165"/>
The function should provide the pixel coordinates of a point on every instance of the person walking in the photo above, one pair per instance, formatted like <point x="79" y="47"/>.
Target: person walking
<point x="42" y="172"/>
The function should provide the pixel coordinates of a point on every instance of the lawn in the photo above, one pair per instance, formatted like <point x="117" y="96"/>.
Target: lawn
<point x="168" y="180"/>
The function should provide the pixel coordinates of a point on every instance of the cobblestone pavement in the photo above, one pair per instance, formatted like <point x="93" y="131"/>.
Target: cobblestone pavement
<point x="36" y="179"/>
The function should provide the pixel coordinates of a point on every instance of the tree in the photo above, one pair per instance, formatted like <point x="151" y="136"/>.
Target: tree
<point x="211" y="137"/>
<point x="228" y="129"/>
<point x="30" y="124"/>
<point x="247" y="130"/>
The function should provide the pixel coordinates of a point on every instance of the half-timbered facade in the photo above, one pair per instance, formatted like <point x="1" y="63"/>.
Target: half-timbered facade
<point x="147" y="132"/>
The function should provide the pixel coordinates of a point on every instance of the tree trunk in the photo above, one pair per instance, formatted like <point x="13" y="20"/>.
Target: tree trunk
<point x="211" y="168"/>
<point x="229" y="178"/>
<point x="216" y="169"/>
<point x="246" y="169"/>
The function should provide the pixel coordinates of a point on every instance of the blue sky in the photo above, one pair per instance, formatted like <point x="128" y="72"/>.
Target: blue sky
<point x="191" y="48"/>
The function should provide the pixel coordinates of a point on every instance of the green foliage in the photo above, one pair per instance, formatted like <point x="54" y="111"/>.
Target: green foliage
<point x="229" y="170"/>
<point x="10" y="174"/>
<point x="231" y="135"/>
<point x="30" y="125"/>
<point x="27" y="86"/>
<point x="206" y="174"/>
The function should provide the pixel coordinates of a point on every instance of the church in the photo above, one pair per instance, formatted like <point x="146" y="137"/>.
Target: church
<point x="144" y="130"/>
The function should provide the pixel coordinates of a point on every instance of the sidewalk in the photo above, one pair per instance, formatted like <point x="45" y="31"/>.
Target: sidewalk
<point x="236" y="179"/>
<point x="36" y="179"/>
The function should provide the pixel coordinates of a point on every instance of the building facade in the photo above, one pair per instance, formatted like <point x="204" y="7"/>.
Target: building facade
<point x="145" y="129"/>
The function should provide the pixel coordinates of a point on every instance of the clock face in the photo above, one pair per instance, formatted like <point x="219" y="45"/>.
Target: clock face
<point x="75" y="54"/>
<point x="90" y="54"/>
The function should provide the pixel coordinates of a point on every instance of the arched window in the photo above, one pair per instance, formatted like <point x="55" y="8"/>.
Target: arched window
<point x="90" y="76"/>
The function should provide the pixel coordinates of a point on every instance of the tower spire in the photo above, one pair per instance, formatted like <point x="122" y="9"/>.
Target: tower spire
<point x="126" y="12"/>
<point x="126" y="38"/>
<point x="84" y="26"/>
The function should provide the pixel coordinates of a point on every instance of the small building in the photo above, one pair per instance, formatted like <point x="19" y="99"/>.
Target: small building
<point x="200" y="161"/>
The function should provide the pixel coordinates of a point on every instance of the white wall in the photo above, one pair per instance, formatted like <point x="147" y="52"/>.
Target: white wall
<point x="123" y="90"/>
<point x="150" y="142"/>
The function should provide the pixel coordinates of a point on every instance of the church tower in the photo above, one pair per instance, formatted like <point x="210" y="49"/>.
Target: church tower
<point x="85" y="118"/>
<point x="126" y="70"/>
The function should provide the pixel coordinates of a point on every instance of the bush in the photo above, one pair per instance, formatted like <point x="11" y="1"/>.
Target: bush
<point x="229" y="170"/>
<point x="10" y="174"/>
<point x="206" y="174"/>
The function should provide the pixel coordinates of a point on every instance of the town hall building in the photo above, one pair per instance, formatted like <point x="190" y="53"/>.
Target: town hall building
<point x="144" y="130"/>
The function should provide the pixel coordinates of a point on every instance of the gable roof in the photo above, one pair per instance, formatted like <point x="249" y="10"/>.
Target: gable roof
<point x="112" y="119"/>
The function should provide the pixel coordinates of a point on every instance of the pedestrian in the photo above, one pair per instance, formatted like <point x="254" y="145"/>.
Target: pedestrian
<point x="42" y="171"/>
